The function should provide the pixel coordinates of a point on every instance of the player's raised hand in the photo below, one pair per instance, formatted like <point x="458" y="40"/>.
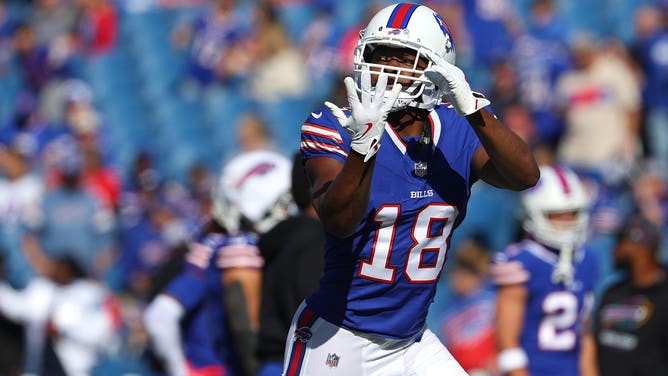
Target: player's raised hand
<point x="369" y="113"/>
<point x="452" y="82"/>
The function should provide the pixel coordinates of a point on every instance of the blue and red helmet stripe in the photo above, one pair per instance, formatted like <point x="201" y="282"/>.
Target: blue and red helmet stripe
<point x="401" y="15"/>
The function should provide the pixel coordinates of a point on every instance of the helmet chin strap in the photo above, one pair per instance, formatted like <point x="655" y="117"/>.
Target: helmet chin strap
<point x="564" y="270"/>
<point x="425" y="137"/>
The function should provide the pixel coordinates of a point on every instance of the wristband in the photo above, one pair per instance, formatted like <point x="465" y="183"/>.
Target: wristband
<point x="511" y="359"/>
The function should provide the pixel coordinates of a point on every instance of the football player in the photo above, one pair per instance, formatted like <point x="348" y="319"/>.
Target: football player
<point x="546" y="282"/>
<point x="198" y="325"/>
<point x="390" y="178"/>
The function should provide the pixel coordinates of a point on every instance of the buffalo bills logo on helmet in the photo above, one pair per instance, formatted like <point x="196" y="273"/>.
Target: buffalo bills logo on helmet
<point x="449" y="46"/>
<point x="303" y="334"/>
<point x="260" y="169"/>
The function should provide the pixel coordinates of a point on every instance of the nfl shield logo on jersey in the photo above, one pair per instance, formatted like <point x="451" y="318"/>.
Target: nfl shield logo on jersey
<point x="332" y="360"/>
<point x="420" y="169"/>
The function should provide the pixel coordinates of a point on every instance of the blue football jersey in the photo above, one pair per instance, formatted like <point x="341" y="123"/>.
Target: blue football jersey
<point x="198" y="288"/>
<point x="555" y="313"/>
<point x="382" y="279"/>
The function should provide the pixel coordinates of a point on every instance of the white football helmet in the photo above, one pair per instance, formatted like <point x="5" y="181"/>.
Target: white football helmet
<point x="253" y="192"/>
<point x="406" y="25"/>
<point x="559" y="190"/>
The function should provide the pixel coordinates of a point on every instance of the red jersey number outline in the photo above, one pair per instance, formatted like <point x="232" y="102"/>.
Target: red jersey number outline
<point x="377" y="267"/>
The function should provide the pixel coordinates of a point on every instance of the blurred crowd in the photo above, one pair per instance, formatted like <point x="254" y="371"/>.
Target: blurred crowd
<point x="117" y="115"/>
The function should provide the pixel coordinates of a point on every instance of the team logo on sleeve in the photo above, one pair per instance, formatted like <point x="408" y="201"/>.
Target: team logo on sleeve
<point x="332" y="360"/>
<point x="303" y="334"/>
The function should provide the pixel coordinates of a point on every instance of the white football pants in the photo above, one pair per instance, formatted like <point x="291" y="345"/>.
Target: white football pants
<point x="316" y="347"/>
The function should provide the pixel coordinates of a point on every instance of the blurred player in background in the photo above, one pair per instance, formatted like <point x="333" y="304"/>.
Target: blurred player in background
<point x="467" y="325"/>
<point x="293" y="252"/>
<point x="546" y="281"/>
<point x="198" y="325"/>
<point x="390" y="179"/>
<point x="632" y="315"/>
<point x="71" y="320"/>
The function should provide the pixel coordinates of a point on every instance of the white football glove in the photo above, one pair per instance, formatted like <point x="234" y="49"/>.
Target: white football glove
<point x="367" y="121"/>
<point x="452" y="82"/>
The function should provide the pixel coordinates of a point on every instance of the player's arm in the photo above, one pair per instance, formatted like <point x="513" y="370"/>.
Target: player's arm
<point x="242" y="290"/>
<point x="504" y="159"/>
<point x="29" y="305"/>
<point x="245" y="284"/>
<point x="340" y="191"/>
<point x="184" y="294"/>
<point x="162" y="321"/>
<point x="588" y="361"/>
<point x="510" y="308"/>
<point x="241" y="278"/>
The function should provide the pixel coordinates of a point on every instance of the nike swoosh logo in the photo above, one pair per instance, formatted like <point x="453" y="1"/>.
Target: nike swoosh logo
<point x="368" y="128"/>
<point x="317" y="116"/>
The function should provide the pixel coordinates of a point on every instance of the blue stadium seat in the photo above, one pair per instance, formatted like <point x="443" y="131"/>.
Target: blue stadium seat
<point x="158" y="79"/>
<point x="222" y="110"/>
<point x="111" y="75"/>
<point x="155" y="21"/>
<point x="349" y="13"/>
<point x="176" y="161"/>
<point x="285" y="119"/>
<point x="10" y="85"/>
<point x="295" y="18"/>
